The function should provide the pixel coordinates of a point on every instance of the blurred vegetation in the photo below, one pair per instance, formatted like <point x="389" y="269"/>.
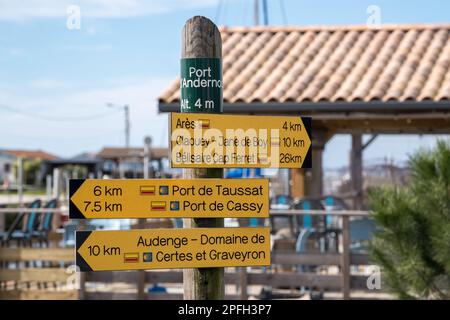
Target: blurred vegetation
<point x="413" y="246"/>
<point x="81" y="172"/>
<point x="31" y="168"/>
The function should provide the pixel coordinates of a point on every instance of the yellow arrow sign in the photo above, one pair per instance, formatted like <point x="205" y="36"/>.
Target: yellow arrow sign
<point x="234" y="141"/>
<point x="172" y="248"/>
<point x="157" y="198"/>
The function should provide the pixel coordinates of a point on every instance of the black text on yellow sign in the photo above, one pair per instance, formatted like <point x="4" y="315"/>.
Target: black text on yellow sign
<point x="172" y="248"/>
<point x="158" y="198"/>
<point x="235" y="141"/>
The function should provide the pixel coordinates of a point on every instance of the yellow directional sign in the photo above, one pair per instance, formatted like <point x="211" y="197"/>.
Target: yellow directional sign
<point x="158" y="198"/>
<point x="235" y="141"/>
<point x="172" y="248"/>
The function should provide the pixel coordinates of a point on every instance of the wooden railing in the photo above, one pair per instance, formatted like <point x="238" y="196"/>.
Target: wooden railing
<point x="21" y="278"/>
<point x="27" y="271"/>
<point x="241" y="279"/>
<point x="345" y="260"/>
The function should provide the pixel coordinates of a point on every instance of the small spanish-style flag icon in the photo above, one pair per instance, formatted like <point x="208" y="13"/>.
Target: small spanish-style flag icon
<point x="131" y="257"/>
<point x="147" y="190"/>
<point x="158" y="205"/>
<point x="174" y="205"/>
<point x="147" y="257"/>
<point x="163" y="190"/>
<point x="204" y="123"/>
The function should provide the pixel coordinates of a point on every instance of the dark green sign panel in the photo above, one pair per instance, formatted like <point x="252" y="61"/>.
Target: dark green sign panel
<point x="201" y="85"/>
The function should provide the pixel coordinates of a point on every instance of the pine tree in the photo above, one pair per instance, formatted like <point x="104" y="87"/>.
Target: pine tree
<point x="412" y="246"/>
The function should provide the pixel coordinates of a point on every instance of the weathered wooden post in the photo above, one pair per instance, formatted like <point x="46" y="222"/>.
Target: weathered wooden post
<point x="82" y="275"/>
<point x="201" y="47"/>
<point x="56" y="182"/>
<point x="356" y="170"/>
<point x="141" y="294"/>
<point x="345" y="258"/>
<point x="20" y="181"/>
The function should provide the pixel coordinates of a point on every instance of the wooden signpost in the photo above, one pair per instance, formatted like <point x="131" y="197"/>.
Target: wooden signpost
<point x="203" y="142"/>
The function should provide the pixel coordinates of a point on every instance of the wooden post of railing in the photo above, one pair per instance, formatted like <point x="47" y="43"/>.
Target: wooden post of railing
<point x="243" y="282"/>
<point x="345" y="258"/>
<point x="201" y="40"/>
<point x="141" y="295"/>
<point x="82" y="288"/>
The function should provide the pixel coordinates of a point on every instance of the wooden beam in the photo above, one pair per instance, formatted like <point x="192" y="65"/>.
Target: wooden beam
<point x="390" y="125"/>
<point x="33" y="254"/>
<point x="108" y="295"/>
<point x="356" y="170"/>
<point x="340" y="213"/>
<point x="111" y="276"/>
<point x="306" y="258"/>
<point x="295" y="280"/>
<point x="177" y="277"/>
<point x="99" y="295"/>
<point x="314" y="182"/>
<point x="243" y="283"/>
<point x="359" y="259"/>
<point x="317" y="258"/>
<point x="34" y="274"/>
<point x="140" y="278"/>
<point x="164" y="277"/>
<point x="297" y="183"/>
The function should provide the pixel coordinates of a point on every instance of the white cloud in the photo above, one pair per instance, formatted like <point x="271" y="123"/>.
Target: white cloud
<point x="21" y="10"/>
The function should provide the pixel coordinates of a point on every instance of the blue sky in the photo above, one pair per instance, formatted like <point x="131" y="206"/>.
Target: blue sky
<point x="55" y="82"/>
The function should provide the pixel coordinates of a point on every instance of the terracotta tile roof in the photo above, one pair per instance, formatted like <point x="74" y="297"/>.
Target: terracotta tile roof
<point x="31" y="154"/>
<point x="333" y="64"/>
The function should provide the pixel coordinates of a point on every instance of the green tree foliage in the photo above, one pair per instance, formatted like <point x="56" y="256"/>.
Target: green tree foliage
<point x="78" y="171"/>
<point x="31" y="169"/>
<point x="413" y="244"/>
